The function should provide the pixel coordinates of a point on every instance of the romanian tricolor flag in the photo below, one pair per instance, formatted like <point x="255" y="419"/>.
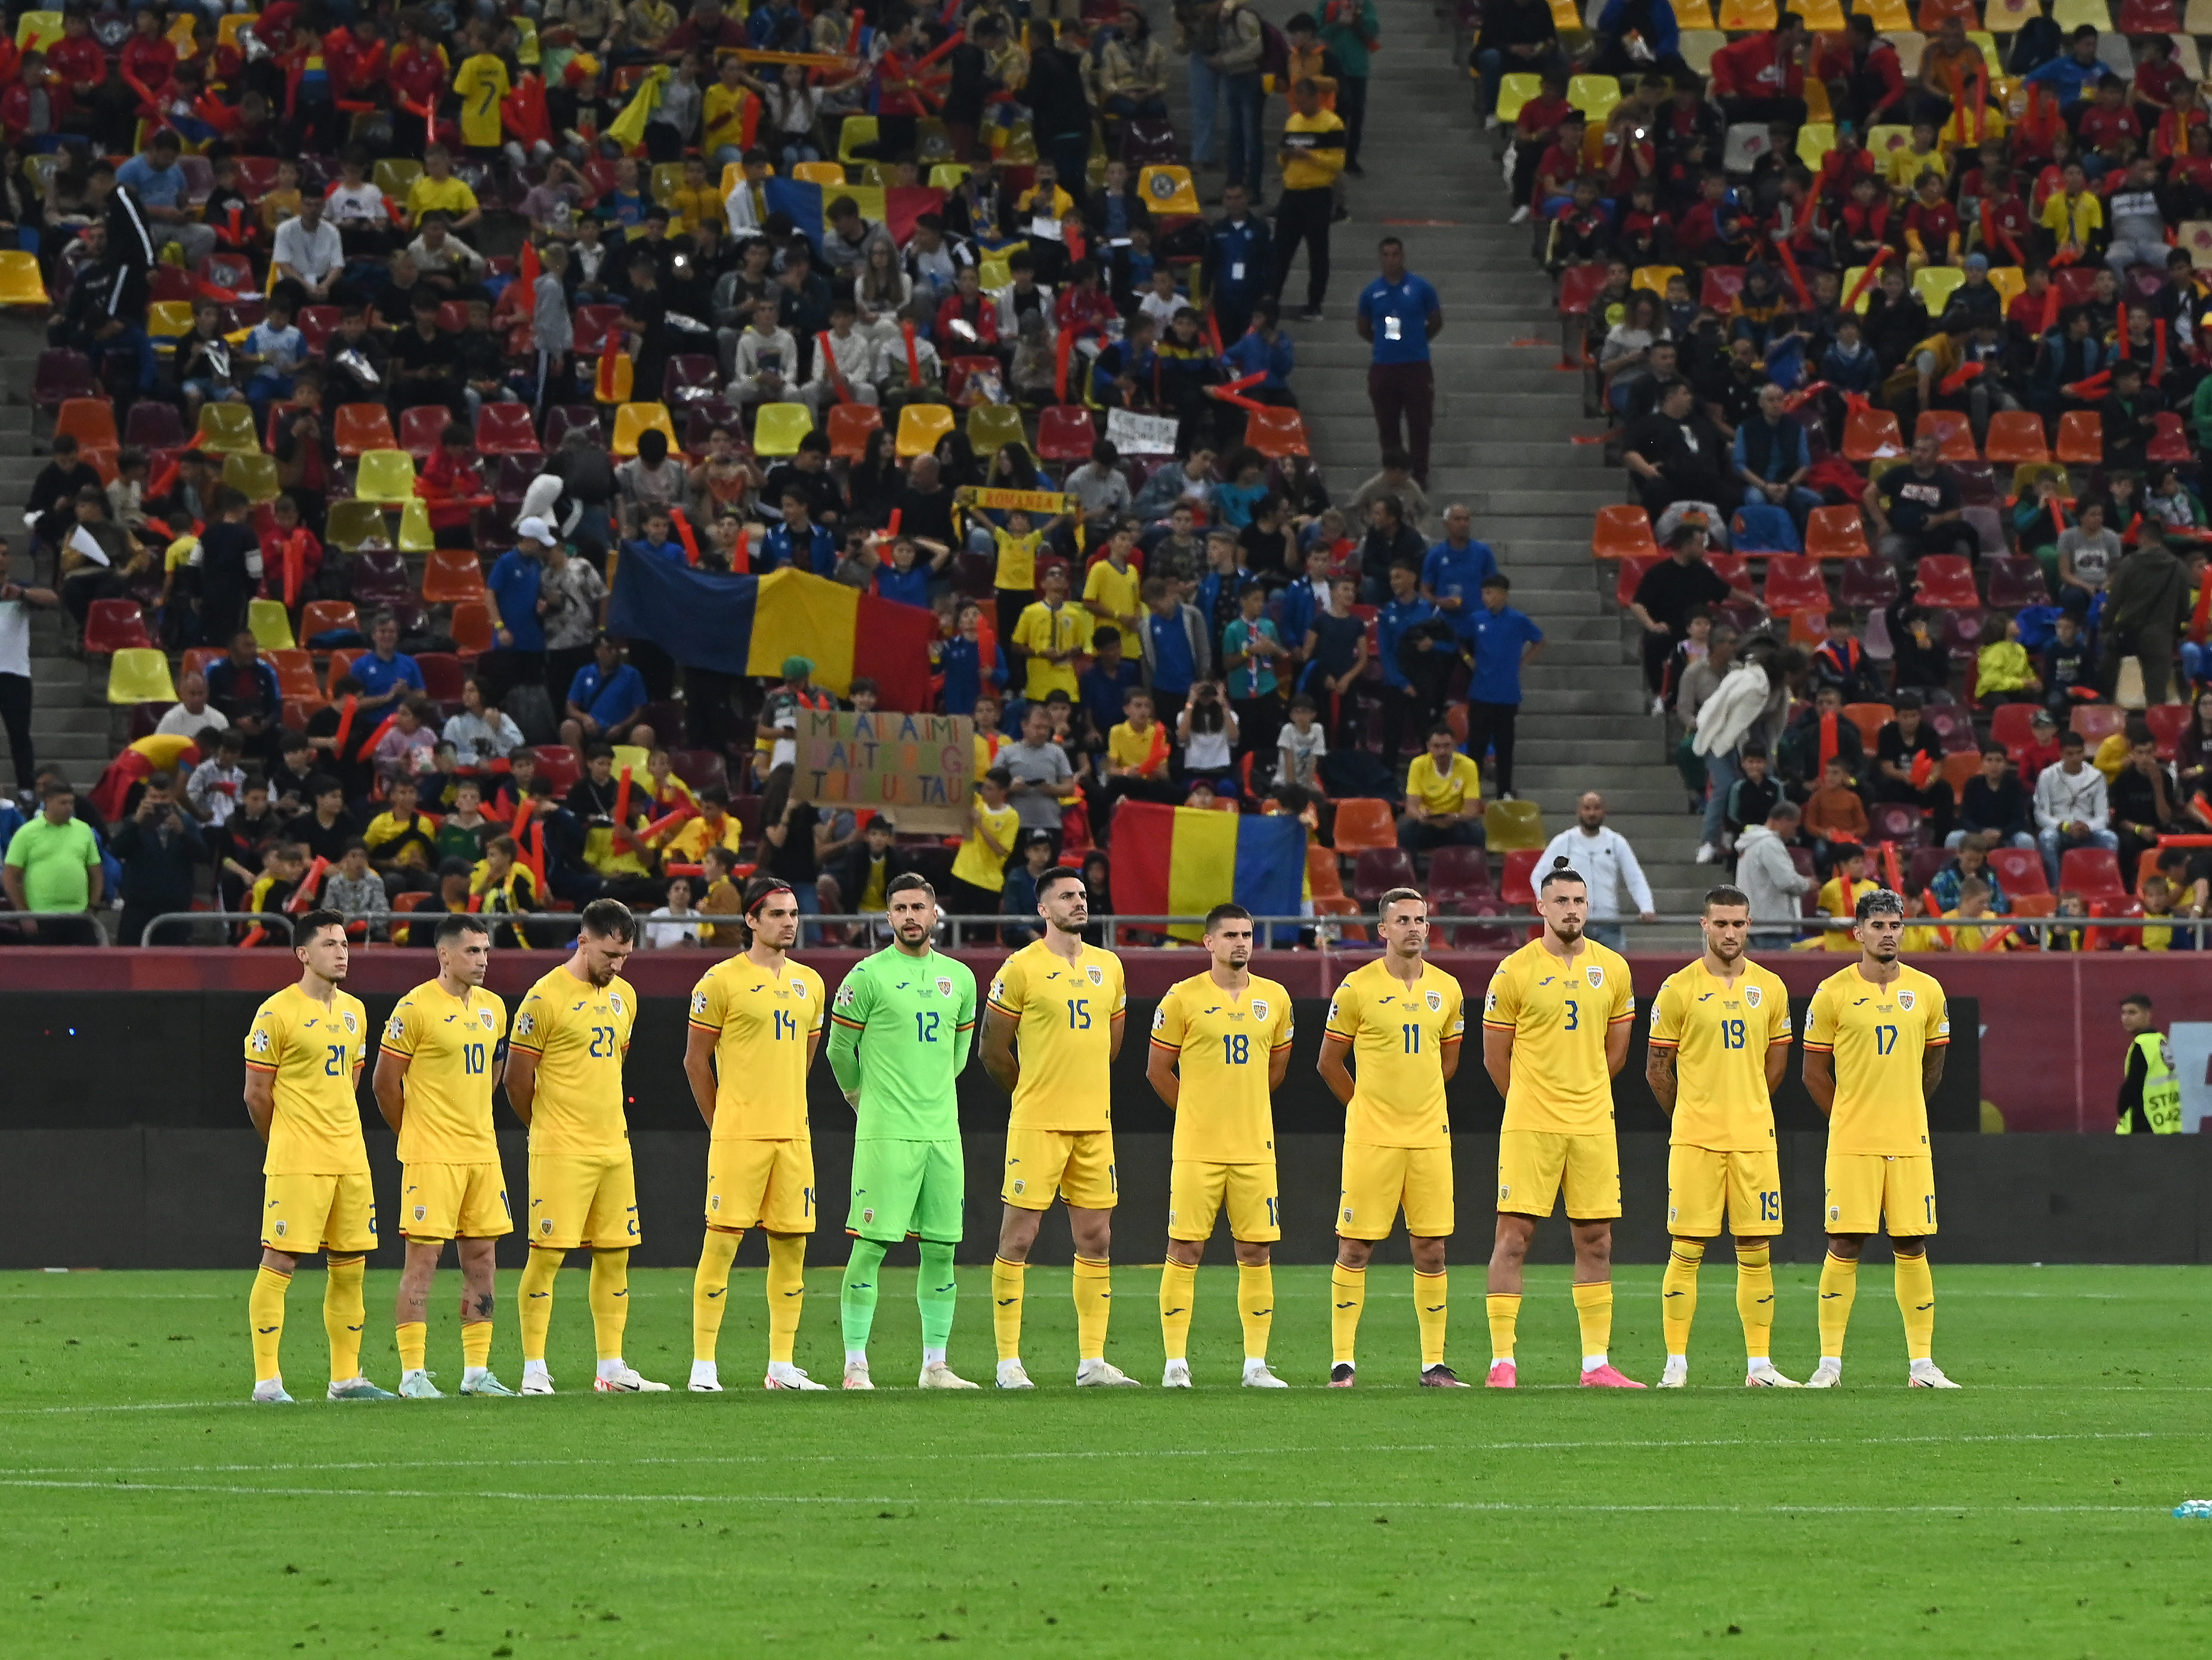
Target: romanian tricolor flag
<point x="1183" y="861"/>
<point x="895" y="209"/>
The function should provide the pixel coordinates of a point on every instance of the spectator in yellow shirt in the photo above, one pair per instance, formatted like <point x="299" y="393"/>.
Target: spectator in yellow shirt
<point x="1840" y="897"/>
<point x="1113" y="589"/>
<point x="722" y="136"/>
<point x="699" y="200"/>
<point x="1013" y="573"/>
<point x="716" y="826"/>
<point x="1443" y="798"/>
<point x="2074" y="215"/>
<point x="480" y="83"/>
<point x="1055" y="633"/>
<point x="438" y="191"/>
<point x="979" y="869"/>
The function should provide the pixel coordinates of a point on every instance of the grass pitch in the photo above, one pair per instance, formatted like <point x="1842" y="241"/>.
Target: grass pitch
<point x="149" y="1510"/>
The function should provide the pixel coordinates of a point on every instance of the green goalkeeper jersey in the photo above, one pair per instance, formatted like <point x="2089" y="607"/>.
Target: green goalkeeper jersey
<point x="899" y="1029"/>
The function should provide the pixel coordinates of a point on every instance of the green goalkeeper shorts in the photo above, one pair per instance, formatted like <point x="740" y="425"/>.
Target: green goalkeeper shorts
<point x="904" y="1189"/>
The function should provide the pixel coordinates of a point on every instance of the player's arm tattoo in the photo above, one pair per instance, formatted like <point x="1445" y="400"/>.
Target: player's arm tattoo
<point x="1659" y="1073"/>
<point x="1931" y="1069"/>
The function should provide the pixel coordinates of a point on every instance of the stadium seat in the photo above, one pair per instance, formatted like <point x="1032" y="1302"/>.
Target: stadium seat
<point x="2092" y="873"/>
<point x="453" y="574"/>
<point x="2097" y="722"/>
<point x="152" y="425"/>
<point x="1718" y="288"/>
<point x="921" y="427"/>
<point x="386" y="476"/>
<point x="1167" y="191"/>
<point x="1464" y="868"/>
<point x="253" y="477"/>
<point x="1517" y="882"/>
<point x="991" y="427"/>
<point x="632" y="421"/>
<point x="2082" y="438"/>
<point x="136" y="674"/>
<point x="1510" y="824"/>
<point x="1897" y="822"/>
<point x="1795" y="583"/>
<point x="349" y="523"/>
<point x="1947" y="580"/>
<point x="1936" y="284"/>
<point x="90" y="421"/>
<point x="227" y="428"/>
<point x="1732" y="569"/>
<point x="1869" y="719"/>
<point x="470" y="627"/>
<point x="20" y="281"/>
<point x="1653" y="278"/>
<point x="2017" y="581"/>
<point x="1959" y="766"/>
<point x="1378" y="870"/>
<point x="62" y="375"/>
<point x="1867" y="584"/>
<point x="850" y="425"/>
<point x="778" y="427"/>
<point x="1322" y="875"/>
<point x="857" y="130"/>
<point x="2167" y="722"/>
<point x="322" y="616"/>
<point x="317" y="324"/>
<point x="422" y="429"/>
<point x="564" y="418"/>
<point x="1514" y="91"/>
<point x="506" y="430"/>
<point x="947" y="175"/>
<point x="357" y="428"/>
<point x="1955" y="438"/>
<point x="415" y="535"/>
<point x="1621" y="531"/>
<point x="1594" y="95"/>
<point x="691" y="378"/>
<point x="1579" y="286"/>
<point x="625" y="377"/>
<point x="1808" y="628"/>
<point x="1814" y="140"/>
<point x="2170" y="441"/>
<point x="2016" y="437"/>
<point x="1953" y="727"/>
<point x="1065" y="433"/>
<point x="271" y="624"/>
<point x="1361" y="823"/>
<point x="1871" y="435"/>
<point x="1632" y="570"/>
<point x="2019" y="870"/>
<point x="1276" y="433"/>
<point x="443" y="675"/>
<point x="295" y="675"/>
<point x="592" y="325"/>
<point x="1836" y="533"/>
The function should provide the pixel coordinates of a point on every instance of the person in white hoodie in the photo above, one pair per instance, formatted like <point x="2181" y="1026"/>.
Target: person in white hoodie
<point x="1723" y="722"/>
<point x="1771" y="879"/>
<point x="2070" y="808"/>
<point x="1606" y="863"/>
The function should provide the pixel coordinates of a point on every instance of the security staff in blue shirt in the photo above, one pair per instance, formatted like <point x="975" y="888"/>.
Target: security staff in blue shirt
<point x="1414" y="698"/>
<point x="604" y="699"/>
<point x="1240" y="257"/>
<point x="1454" y="570"/>
<point x="799" y="541"/>
<point x="1399" y="315"/>
<point x="1505" y="639"/>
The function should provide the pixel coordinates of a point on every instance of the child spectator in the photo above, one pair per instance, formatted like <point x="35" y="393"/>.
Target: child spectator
<point x="979" y="869"/>
<point x="1835" y="815"/>
<point x="355" y="891"/>
<point x="1840" y="895"/>
<point x="1301" y="744"/>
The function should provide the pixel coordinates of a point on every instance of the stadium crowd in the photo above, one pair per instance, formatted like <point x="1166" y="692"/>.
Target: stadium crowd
<point x="1901" y="335"/>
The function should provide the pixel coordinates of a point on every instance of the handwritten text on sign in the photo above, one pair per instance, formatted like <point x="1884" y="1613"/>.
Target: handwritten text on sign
<point x="917" y="767"/>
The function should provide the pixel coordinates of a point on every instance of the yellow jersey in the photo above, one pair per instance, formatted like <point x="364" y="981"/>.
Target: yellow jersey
<point x="1721" y="1030"/>
<point x="1224" y="1042"/>
<point x="1120" y="591"/>
<point x="1042" y="628"/>
<point x="580" y="1033"/>
<point x="1836" y="902"/>
<point x="1064" y="1035"/>
<point x="694" y="836"/>
<point x="1314" y="149"/>
<point x="480" y="84"/>
<point x="975" y="863"/>
<point x="1878" y="1036"/>
<point x="767" y="1024"/>
<point x="1559" y="1013"/>
<point x="1127" y="747"/>
<point x="1398" y="1033"/>
<point x="723" y="110"/>
<point x="1017" y="559"/>
<point x="448" y="195"/>
<point x="316" y="1053"/>
<point x="452" y="1049"/>
<point x="1443" y="791"/>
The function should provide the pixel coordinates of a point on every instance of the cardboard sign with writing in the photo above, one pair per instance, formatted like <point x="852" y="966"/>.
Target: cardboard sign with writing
<point x="916" y="768"/>
<point x="1140" y="435"/>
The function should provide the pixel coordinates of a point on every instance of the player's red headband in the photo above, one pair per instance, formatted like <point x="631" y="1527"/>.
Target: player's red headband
<point x="760" y="899"/>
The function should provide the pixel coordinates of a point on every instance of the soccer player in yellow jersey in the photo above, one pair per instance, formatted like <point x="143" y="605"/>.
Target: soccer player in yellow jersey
<point x="1051" y="1030"/>
<point x="1555" y="1032"/>
<point x="564" y="1080"/>
<point x="1720" y="1042"/>
<point x="756" y="1023"/>
<point x="1225" y="1035"/>
<point x="1399" y="1019"/>
<point x="1875" y="1039"/>
<point x="304" y="1054"/>
<point x="434" y="1079"/>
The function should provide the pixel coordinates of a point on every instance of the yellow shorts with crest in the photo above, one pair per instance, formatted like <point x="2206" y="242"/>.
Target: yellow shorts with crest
<point x="1870" y="1193"/>
<point x="1701" y="1182"/>
<point x="1197" y="1190"/>
<point x="1380" y="1181"/>
<point x="762" y="1185"/>
<point x="300" y="1214"/>
<point x="1533" y="1166"/>
<point x="577" y="1201"/>
<point x="1076" y="1165"/>
<point x="454" y="1201"/>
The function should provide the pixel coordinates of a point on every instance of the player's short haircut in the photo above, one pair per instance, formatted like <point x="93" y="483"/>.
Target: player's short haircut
<point x="1563" y="870"/>
<point x="1221" y="913"/>
<point x="761" y="889"/>
<point x="456" y="924"/>
<point x="1842" y="853"/>
<point x="905" y="884"/>
<point x="609" y="919"/>
<point x="2140" y="1000"/>
<point x="1880" y="902"/>
<point x="313" y="923"/>
<point x="1401" y="896"/>
<point x="1727" y="894"/>
<point x="1052" y="879"/>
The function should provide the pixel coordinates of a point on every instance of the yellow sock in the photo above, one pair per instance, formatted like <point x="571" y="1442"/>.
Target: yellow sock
<point x="343" y="1316"/>
<point x="1594" y="1310"/>
<point x="475" y="1345"/>
<point x="1430" y="1309"/>
<point x="710" y="1288"/>
<point x="1007" y="1280"/>
<point x="265" y="1312"/>
<point x="1916" y="1301"/>
<point x="609" y="1301"/>
<point x="1755" y="1299"/>
<point x="1678" y="1293"/>
<point x="1255" y="1306"/>
<point x="1094" y="1291"/>
<point x="413" y="1338"/>
<point x="786" y="1294"/>
<point x="1347" y="1297"/>
<point x="1178" y="1291"/>
<point x="1505" y="1311"/>
<point x="537" y="1276"/>
<point x="1839" y="1284"/>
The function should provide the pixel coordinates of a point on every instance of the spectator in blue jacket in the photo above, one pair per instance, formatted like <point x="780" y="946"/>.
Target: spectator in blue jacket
<point x="2076" y="75"/>
<point x="1505" y="641"/>
<point x="1263" y="348"/>
<point x="962" y="661"/>
<point x="1240" y="257"/>
<point x="1772" y="456"/>
<point x="1455" y="569"/>
<point x="384" y="671"/>
<point x="605" y="700"/>
<point x="1414" y="699"/>
<point x="799" y="541"/>
<point x="1653" y="22"/>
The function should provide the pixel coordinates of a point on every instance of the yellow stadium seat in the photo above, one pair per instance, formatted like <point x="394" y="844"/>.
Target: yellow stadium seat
<point x="1986" y="43"/>
<point x="633" y="419"/>
<point x="227" y="428"/>
<point x="395" y="176"/>
<point x="1936" y="284"/>
<point x="1565" y="17"/>
<point x="1698" y="47"/>
<point x="2071" y="15"/>
<point x="1814" y="140"/>
<point x="1016" y="146"/>
<point x="991" y="427"/>
<point x="780" y="426"/>
<point x="234" y="25"/>
<point x="870" y="199"/>
<point x="921" y="427"/>
<point x="1880" y="139"/>
<point x="666" y="176"/>
<point x="2195" y="21"/>
<point x="349" y="523"/>
<point x="181" y="35"/>
<point x="871" y="173"/>
<point x="386" y="475"/>
<point x="993" y="269"/>
<point x="1694" y="15"/>
<point x="168" y="321"/>
<point x="1514" y="91"/>
<point x="733" y="174"/>
<point x="269" y="624"/>
<point x="1851" y="281"/>
<point x="625" y="373"/>
<point x="947" y="175"/>
<point x="19" y="282"/>
<point x="1594" y="95"/>
<point x="857" y="130"/>
<point x="1890" y="16"/>
<point x="830" y="173"/>
<point x="1168" y="190"/>
<point x="1908" y="44"/>
<point x="1822" y="16"/>
<point x="38" y="31"/>
<point x="253" y="477"/>
<point x="1655" y="277"/>
<point x="2008" y="281"/>
<point x="1513" y="826"/>
<point x="2196" y="235"/>
<point x="415" y="535"/>
<point x="139" y="674"/>
<point x="1747" y="17"/>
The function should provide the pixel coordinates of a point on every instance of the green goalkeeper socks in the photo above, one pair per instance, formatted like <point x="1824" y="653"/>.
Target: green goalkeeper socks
<point x="933" y="1290"/>
<point x="856" y="1298"/>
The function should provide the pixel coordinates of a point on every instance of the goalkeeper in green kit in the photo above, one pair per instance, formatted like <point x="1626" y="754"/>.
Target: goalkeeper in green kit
<point x="899" y="1029"/>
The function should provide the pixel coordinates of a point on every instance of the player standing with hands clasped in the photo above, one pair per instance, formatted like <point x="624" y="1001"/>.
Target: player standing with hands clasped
<point x="1554" y="1033"/>
<point x="1720" y="1042"/>
<point x="1399" y="1020"/>
<point x="900" y="1029"/>
<point x="1063" y="1001"/>
<point x="1874" y="1039"/>
<point x="1226" y="1035"/>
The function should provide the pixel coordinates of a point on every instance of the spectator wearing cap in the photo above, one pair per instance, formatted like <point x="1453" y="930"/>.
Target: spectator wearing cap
<point x="606" y="701"/>
<point x="776" y="743"/>
<point x="1399" y="314"/>
<point x="1602" y="856"/>
<point x="1502" y="642"/>
<point x="2070" y="807"/>
<point x="512" y="592"/>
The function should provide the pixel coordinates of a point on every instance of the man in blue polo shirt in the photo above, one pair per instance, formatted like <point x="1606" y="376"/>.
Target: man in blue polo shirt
<point x="512" y="593"/>
<point x="799" y="541"/>
<point x="1454" y="570"/>
<point x="1504" y="639"/>
<point x="604" y="700"/>
<point x="1399" y="315"/>
<point x="385" y="671"/>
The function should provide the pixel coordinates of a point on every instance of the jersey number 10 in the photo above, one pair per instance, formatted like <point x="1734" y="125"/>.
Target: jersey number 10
<point x="472" y="1059"/>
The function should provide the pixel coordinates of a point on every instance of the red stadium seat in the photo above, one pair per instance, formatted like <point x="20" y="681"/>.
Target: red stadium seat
<point x="443" y="675"/>
<point x="60" y="376"/>
<point x="152" y="425"/>
<point x="422" y="428"/>
<point x="1869" y="719"/>
<point x="113" y="625"/>
<point x="295" y="675"/>
<point x="2097" y="722"/>
<point x="1065" y="433"/>
<point x="1871" y="435"/>
<point x="1364" y="824"/>
<point x="1868" y="584"/>
<point x="2170" y="442"/>
<point x="1949" y="429"/>
<point x="2015" y="581"/>
<point x="506" y="430"/>
<point x="1795" y="583"/>
<point x="1378" y="870"/>
<point x="1620" y="532"/>
<point x="1895" y="821"/>
<point x="1947" y="580"/>
<point x="850" y="425"/>
<point x="1579" y="285"/>
<point x="1518" y="886"/>
<point x="2016" y="437"/>
<point x="357" y="428"/>
<point x="2092" y="873"/>
<point x="1632" y="570"/>
<point x="2082" y="438"/>
<point x="559" y="766"/>
<point x="1836" y="533"/>
<point x="2167" y="722"/>
<point x="1732" y="569"/>
<point x="471" y="627"/>
<point x="1718" y="290"/>
<point x="453" y="574"/>
<point x="317" y="324"/>
<point x="1465" y="868"/>
<point x="2011" y="725"/>
<point x="321" y="616"/>
<point x="2019" y="870"/>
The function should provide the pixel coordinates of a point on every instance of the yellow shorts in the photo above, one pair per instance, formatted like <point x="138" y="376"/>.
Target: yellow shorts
<point x="1077" y="1164"/>
<point x="1531" y="1164"/>
<point x="577" y="1201"/>
<point x="761" y="1185"/>
<point x="1378" y="1182"/>
<point x="1700" y="1180"/>
<point x="1868" y="1192"/>
<point x="300" y="1214"/>
<point x="454" y="1201"/>
<point x="1196" y="1190"/>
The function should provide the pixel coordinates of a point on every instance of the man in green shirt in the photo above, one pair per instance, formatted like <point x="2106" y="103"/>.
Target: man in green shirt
<point x="53" y="865"/>
<point x="899" y="1029"/>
